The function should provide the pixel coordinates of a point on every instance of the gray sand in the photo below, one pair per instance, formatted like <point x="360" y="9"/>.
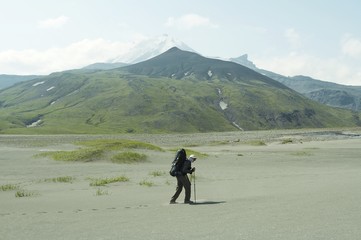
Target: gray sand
<point x="307" y="189"/>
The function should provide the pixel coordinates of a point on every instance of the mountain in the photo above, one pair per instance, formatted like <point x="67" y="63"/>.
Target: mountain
<point x="335" y="95"/>
<point x="142" y="51"/>
<point x="150" y="48"/>
<point x="331" y="94"/>
<point x="104" y="66"/>
<point x="8" y="80"/>
<point x="243" y="60"/>
<point x="177" y="91"/>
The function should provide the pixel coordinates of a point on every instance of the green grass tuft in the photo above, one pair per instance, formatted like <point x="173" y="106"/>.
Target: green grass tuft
<point x="105" y="181"/>
<point x="82" y="155"/>
<point x="101" y="192"/>
<point x="146" y="183"/>
<point x="65" y="179"/>
<point x="157" y="173"/>
<point x="9" y="187"/>
<point x="301" y="154"/>
<point x="128" y="157"/>
<point x="288" y="140"/>
<point x="256" y="143"/>
<point x="25" y="193"/>
<point x="113" y="145"/>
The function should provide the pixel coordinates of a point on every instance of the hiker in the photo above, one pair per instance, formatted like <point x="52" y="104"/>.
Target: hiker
<point x="183" y="180"/>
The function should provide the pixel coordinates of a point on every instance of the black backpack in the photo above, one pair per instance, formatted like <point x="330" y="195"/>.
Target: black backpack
<point x="178" y="162"/>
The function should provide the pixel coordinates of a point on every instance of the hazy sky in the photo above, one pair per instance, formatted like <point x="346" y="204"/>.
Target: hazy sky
<point x="317" y="38"/>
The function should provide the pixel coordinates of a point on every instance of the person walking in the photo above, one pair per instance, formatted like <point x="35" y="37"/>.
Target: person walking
<point x="183" y="181"/>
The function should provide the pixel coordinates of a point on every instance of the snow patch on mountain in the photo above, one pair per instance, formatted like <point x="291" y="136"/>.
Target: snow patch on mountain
<point x="38" y="83"/>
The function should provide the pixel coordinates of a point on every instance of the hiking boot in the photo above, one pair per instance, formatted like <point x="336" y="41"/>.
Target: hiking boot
<point x="189" y="202"/>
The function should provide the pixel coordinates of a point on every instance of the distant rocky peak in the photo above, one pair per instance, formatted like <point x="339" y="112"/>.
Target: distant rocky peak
<point x="243" y="60"/>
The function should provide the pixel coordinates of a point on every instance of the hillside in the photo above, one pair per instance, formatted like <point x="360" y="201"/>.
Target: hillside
<point x="177" y="91"/>
<point x="8" y="80"/>
<point x="332" y="94"/>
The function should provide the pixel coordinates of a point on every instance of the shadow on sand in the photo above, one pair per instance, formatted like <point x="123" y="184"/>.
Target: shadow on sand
<point x="208" y="202"/>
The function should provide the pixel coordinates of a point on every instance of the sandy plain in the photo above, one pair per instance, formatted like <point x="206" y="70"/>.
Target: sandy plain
<point x="302" y="184"/>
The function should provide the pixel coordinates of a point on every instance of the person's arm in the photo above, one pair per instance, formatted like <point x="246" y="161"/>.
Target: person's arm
<point x="187" y="167"/>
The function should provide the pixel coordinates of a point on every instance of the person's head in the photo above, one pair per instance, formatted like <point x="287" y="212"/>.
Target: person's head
<point x="192" y="158"/>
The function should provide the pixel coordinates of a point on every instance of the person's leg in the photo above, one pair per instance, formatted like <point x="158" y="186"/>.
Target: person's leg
<point x="178" y="189"/>
<point x="187" y="188"/>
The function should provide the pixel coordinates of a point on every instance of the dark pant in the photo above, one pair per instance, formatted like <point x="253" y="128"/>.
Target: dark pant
<point x="182" y="181"/>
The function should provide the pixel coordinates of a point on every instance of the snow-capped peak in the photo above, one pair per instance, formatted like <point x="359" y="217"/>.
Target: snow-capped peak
<point x="149" y="48"/>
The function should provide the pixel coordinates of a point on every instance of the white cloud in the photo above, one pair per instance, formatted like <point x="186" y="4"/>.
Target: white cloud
<point x="333" y="70"/>
<point x="53" y="22"/>
<point x="76" y="55"/>
<point x="190" y="21"/>
<point x="293" y="38"/>
<point x="351" y="46"/>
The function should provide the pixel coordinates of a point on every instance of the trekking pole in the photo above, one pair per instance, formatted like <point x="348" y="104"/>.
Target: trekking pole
<point x="194" y="182"/>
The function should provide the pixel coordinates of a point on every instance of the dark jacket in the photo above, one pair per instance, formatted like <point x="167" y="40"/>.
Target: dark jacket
<point x="187" y="167"/>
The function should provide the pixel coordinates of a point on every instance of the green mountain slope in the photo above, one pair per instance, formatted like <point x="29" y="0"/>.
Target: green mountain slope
<point x="8" y="80"/>
<point x="332" y="94"/>
<point x="177" y="91"/>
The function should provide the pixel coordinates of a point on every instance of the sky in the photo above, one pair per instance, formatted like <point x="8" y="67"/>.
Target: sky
<point x="316" y="38"/>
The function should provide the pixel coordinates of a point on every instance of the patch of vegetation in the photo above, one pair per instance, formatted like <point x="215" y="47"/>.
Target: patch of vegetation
<point x="107" y="149"/>
<point x="301" y="153"/>
<point x="82" y="155"/>
<point x="105" y="181"/>
<point x="101" y="192"/>
<point x="9" y="187"/>
<point x="286" y="141"/>
<point x="120" y="144"/>
<point x="128" y="157"/>
<point x="216" y="143"/>
<point x="65" y="179"/>
<point x="146" y="183"/>
<point x="256" y="143"/>
<point x="26" y="193"/>
<point x="157" y="173"/>
<point x="240" y="155"/>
